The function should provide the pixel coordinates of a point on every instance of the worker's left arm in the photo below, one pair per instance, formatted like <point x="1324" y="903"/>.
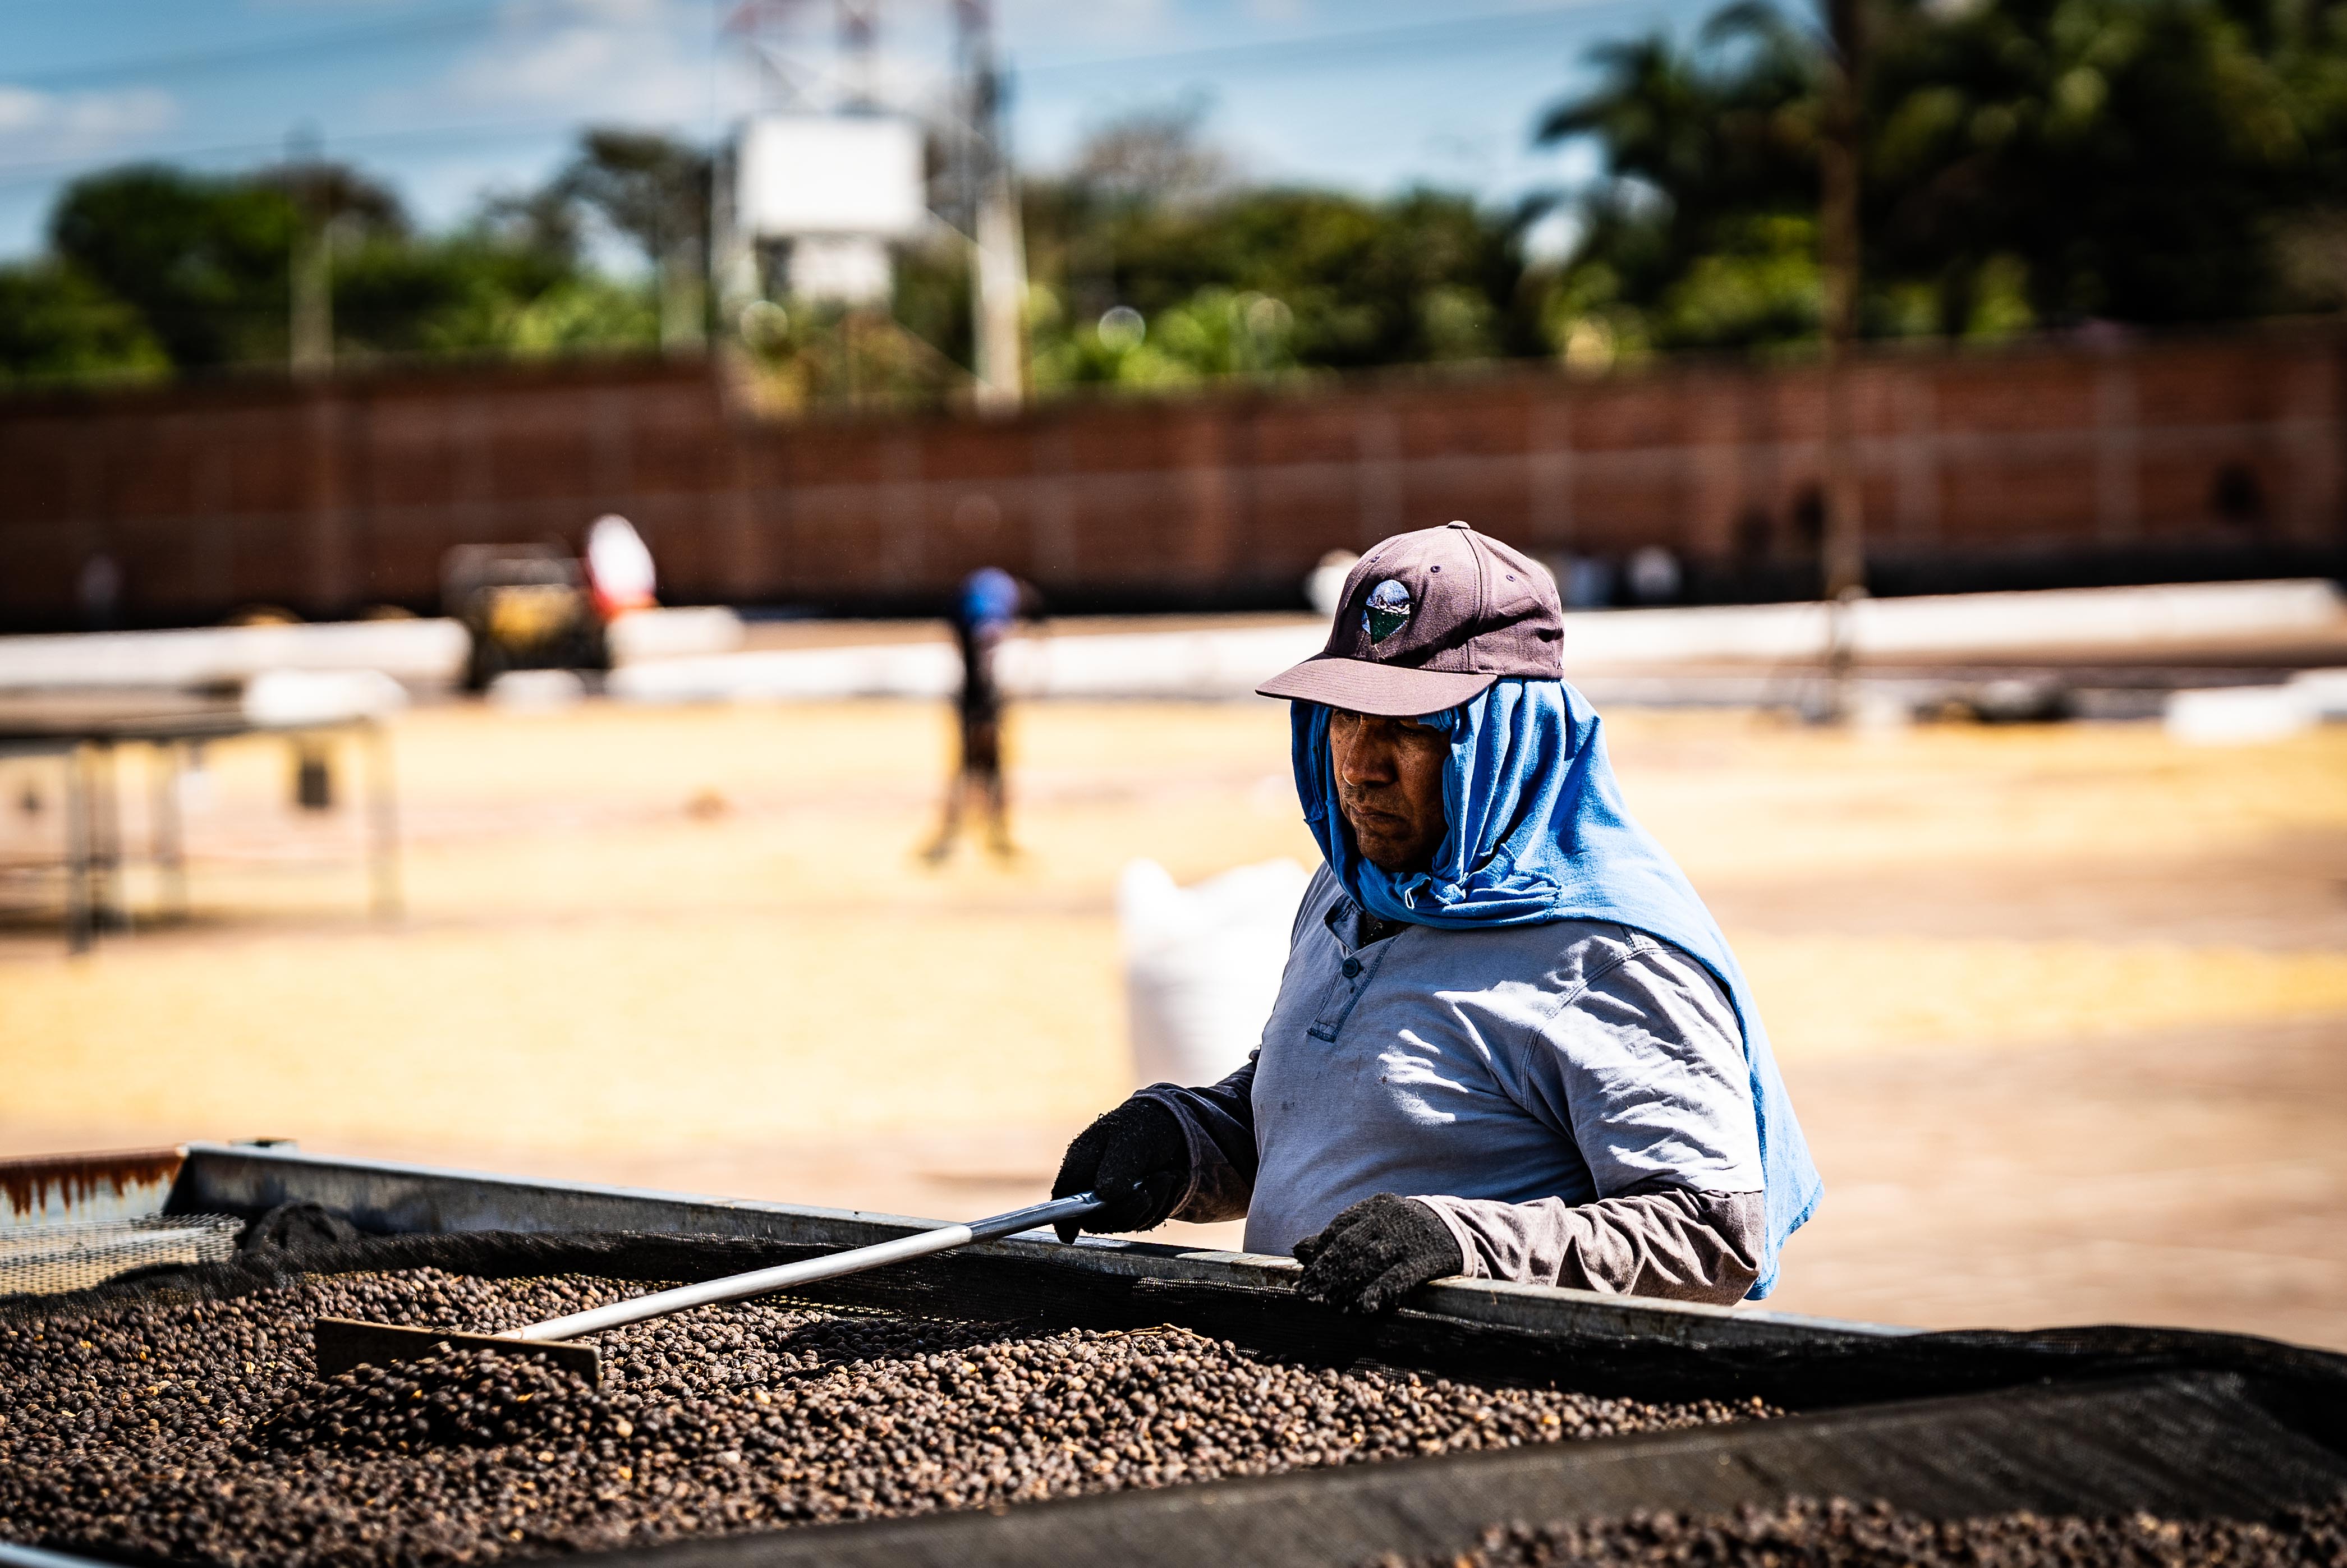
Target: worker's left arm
<point x="1644" y="1070"/>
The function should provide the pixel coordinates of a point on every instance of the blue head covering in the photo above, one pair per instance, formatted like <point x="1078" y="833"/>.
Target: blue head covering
<point x="989" y="597"/>
<point x="1537" y="832"/>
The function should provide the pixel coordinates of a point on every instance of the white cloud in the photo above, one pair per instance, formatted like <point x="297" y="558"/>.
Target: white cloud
<point x="39" y="126"/>
<point x="642" y="60"/>
<point x="655" y="62"/>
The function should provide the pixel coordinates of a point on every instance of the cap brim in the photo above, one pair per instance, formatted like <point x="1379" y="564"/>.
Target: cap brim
<point x="1387" y="690"/>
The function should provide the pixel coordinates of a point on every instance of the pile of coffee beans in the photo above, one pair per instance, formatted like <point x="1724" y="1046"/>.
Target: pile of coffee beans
<point x="476" y="1398"/>
<point x="1841" y="1535"/>
<point x="196" y="1432"/>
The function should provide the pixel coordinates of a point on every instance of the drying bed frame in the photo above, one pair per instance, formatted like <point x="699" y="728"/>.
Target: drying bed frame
<point x="2081" y="1422"/>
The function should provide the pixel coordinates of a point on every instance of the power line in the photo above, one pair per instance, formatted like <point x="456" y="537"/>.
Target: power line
<point x="1454" y="34"/>
<point x="1450" y="34"/>
<point x="19" y="176"/>
<point x="186" y="63"/>
<point x="1471" y="32"/>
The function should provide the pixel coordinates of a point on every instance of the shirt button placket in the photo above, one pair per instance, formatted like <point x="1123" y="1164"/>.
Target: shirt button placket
<point x="1339" y="1000"/>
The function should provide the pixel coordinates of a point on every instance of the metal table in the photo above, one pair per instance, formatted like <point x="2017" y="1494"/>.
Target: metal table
<point x="83" y="731"/>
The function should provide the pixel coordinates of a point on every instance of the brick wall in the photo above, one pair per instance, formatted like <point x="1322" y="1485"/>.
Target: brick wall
<point x="2219" y="455"/>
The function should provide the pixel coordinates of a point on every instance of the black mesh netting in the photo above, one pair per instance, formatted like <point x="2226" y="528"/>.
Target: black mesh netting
<point x="301" y="1239"/>
<point x="74" y="1254"/>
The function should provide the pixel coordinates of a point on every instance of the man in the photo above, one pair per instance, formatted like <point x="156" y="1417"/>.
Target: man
<point x="990" y="602"/>
<point x="1510" y="1042"/>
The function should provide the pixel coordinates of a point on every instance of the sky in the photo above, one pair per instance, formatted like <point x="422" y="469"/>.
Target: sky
<point x="449" y="100"/>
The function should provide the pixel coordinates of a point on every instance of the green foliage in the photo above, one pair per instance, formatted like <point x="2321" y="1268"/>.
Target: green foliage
<point x="1084" y="354"/>
<point x="1426" y="276"/>
<point x="653" y="188"/>
<point x="824" y="356"/>
<point x="2131" y="154"/>
<point x="581" y="313"/>
<point x="156" y="268"/>
<point x="468" y="296"/>
<point x="1760" y="286"/>
<point x="57" y="325"/>
<point x="203" y="262"/>
<point x="2024" y="162"/>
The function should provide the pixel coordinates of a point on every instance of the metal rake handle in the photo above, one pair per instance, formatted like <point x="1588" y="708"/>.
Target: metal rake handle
<point x="764" y="1281"/>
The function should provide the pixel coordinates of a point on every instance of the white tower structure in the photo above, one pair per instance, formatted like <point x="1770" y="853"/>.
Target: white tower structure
<point x="839" y="188"/>
<point x="838" y="181"/>
<point x="828" y="173"/>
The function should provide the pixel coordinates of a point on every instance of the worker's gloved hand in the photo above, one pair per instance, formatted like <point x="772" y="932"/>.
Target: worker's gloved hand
<point x="1375" y="1253"/>
<point x="1137" y="1158"/>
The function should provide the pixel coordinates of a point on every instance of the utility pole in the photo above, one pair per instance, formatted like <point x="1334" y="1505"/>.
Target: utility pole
<point x="999" y="277"/>
<point x="312" y="330"/>
<point x="683" y="273"/>
<point x="1839" y="258"/>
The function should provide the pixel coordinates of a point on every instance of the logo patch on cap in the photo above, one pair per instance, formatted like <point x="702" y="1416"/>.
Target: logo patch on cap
<point x="1388" y="611"/>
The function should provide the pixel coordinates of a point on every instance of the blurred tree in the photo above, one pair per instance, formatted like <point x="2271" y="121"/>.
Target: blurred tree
<point x="1150" y="162"/>
<point x="156" y="267"/>
<point x="2135" y="156"/>
<point x="336" y="193"/>
<point x="655" y="191"/>
<point x="476" y="293"/>
<point x="544" y="222"/>
<point x="57" y="325"/>
<point x="202" y="260"/>
<point x="1155" y="156"/>
<point x="2024" y="161"/>
<point x="1233" y="278"/>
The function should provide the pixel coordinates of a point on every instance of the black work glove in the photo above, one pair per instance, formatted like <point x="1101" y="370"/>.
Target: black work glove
<point x="1137" y="1158"/>
<point x="1375" y="1253"/>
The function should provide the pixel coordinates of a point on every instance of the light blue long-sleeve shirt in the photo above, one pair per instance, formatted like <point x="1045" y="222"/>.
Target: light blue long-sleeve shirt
<point x="1511" y="1077"/>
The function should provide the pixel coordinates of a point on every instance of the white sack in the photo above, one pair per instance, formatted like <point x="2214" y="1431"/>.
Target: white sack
<point x="1202" y="965"/>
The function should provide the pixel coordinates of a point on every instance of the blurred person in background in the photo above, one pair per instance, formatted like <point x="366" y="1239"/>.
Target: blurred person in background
<point x="989" y="603"/>
<point x="1324" y="587"/>
<point x="1510" y="1043"/>
<point x="99" y="589"/>
<point x="1655" y="576"/>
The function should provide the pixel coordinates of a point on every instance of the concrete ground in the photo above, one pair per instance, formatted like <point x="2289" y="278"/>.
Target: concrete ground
<point x="2064" y="1009"/>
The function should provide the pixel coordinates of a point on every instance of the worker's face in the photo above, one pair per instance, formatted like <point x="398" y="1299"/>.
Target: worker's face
<point x="1389" y="786"/>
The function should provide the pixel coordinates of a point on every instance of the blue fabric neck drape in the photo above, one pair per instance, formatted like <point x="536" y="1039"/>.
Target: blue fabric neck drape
<point x="1537" y="832"/>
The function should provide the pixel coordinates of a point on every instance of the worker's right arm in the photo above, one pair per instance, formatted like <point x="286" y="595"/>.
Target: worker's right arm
<point x="1218" y="1123"/>
<point x="1190" y="1150"/>
<point x="1168" y="1152"/>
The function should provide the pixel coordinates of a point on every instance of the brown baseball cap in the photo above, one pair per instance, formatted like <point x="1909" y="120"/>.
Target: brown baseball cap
<point x="1429" y="620"/>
